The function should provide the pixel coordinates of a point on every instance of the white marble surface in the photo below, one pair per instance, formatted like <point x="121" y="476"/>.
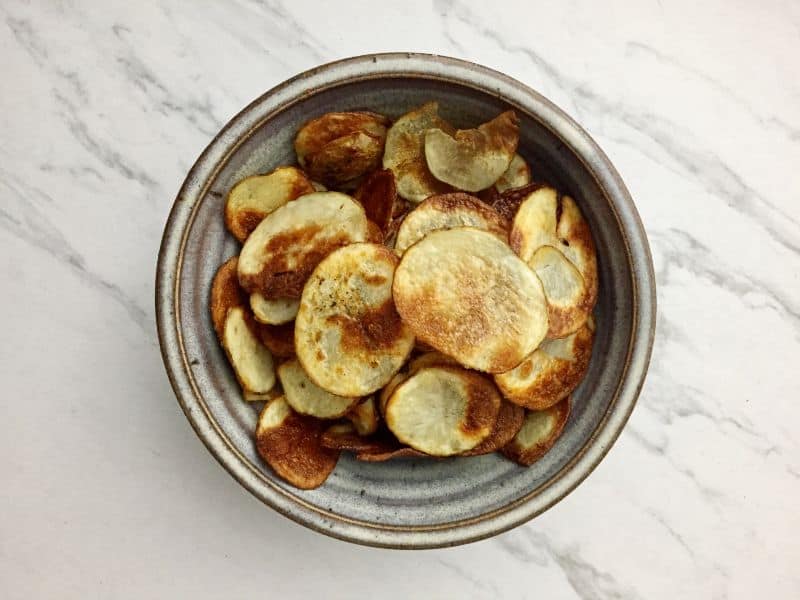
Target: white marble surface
<point x="106" y="491"/>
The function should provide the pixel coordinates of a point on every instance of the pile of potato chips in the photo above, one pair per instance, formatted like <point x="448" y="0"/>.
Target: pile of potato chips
<point x="407" y="291"/>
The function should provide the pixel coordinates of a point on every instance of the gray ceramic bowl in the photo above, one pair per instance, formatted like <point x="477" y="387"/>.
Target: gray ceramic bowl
<point x="406" y="503"/>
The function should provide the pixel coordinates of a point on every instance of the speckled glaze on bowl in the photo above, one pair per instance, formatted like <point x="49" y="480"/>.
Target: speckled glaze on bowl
<point x="407" y="503"/>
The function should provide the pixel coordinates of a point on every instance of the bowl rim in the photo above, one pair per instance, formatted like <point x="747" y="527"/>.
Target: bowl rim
<point x="453" y="71"/>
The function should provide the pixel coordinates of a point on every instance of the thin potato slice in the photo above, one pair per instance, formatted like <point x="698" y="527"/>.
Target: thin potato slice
<point x="538" y="224"/>
<point x="289" y="243"/>
<point x="446" y="211"/>
<point x="509" y="422"/>
<point x="307" y="398"/>
<point x="508" y="202"/>
<point x="551" y="372"/>
<point x="388" y="389"/>
<point x="275" y="311"/>
<point x="405" y="153"/>
<point x="225" y="294"/>
<point x="538" y="434"/>
<point x="443" y="411"/>
<point x="349" y="337"/>
<point x="343" y="436"/>
<point x="431" y="359"/>
<point x="364" y="416"/>
<point x="378" y="196"/>
<point x="373" y="455"/>
<point x="517" y="175"/>
<point x="278" y="338"/>
<point x="290" y="444"/>
<point x="468" y="295"/>
<point x="473" y="159"/>
<point x="251" y="360"/>
<point x="374" y="233"/>
<point x="253" y="198"/>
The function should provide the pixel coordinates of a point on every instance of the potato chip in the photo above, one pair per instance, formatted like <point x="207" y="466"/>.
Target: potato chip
<point x="364" y="416"/>
<point x="473" y="159"/>
<point x="517" y="175"/>
<point x="307" y="398"/>
<point x="431" y="359"/>
<point x="225" y="294"/>
<point x="378" y="196"/>
<point x="468" y="295"/>
<point x="343" y="436"/>
<point x="509" y="422"/>
<point x="290" y="242"/>
<point x="278" y="338"/>
<point x="290" y="444"/>
<point x="405" y="153"/>
<point x="275" y="311"/>
<point x="386" y="391"/>
<point x="253" y="198"/>
<point x="373" y="455"/>
<point x="507" y="203"/>
<point x="446" y="211"/>
<point x="540" y="431"/>
<point x="551" y="372"/>
<point x="349" y="337"/>
<point x="251" y="360"/>
<point x="443" y="411"/>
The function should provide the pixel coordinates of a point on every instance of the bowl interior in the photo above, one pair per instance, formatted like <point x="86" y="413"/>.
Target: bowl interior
<point x="406" y="493"/>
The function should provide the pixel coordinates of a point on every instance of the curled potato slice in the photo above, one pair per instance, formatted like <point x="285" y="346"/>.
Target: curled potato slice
<point x="509" y="422"/>
<point x="364" y="416"/>
<point x="276" y="311"/>
<point x="539" y="432"/>
<point x="306" y="397"/>
<point x="251" y="360"/>
<point x="518" y="174"/>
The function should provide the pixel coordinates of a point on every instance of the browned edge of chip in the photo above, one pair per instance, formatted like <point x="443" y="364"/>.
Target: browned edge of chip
<point x="378" y="196"/>
<point x="509" y="421"/>
<point x="507" y="203"/>
<point x="225" y="294"/>
<point x="343" y="436"/>
<point x="528" y="456"/>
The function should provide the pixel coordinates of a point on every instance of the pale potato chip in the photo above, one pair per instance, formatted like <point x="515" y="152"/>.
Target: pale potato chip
<point x="378" y="196"/>
<point x="405" y="153"/>
<point x="431" y="359"/>
<point x="251" y="360"/>
<point x="290" y="444"/>
<point x="446" y="211"/>
<point x="468" y="295"/>
<point x="364" y="416"/>
<point x="349" y="337"/>
<point x="473" y="159"/>
<point x="540" y="431"/>
<point x="518" y="174"/>
<point x="225" y="294"/>
<point x="276" y="311"/>
<point x="443" y="411"/>
<point x="549" y="373"/>
<point x="306" y="397"/>
<point x="386" y="391"/>
<point x="509" y="422"/>
<point x="253" y="198"/>
<point x="289" y="243"/>
<point x="537" y="224"/>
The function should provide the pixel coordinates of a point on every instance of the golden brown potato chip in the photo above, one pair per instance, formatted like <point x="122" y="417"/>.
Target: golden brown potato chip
<point x="278" y="257"/>
<point x="540" y="431"/>
<point x="364" y="416"/>
<point x="278" y="338"/>
<point x="338" y="148"/>
<point x="253" y="198"/>
<point x="290" y="444"/>
<point x="509" y="422"/>
<point x="405" y="153"/>
<point x="378" y="196"/>
<point x="343" y="436"/>
<point x="551" y="372"/>
<point x="251" y="360"/>
<point x="468" y="295"/>
<point x="276" y="311"/>
<point x="225" y="294"/>
<point x="443" y="411"/>
<point x="571" y="292"/>
<point x="507" y="203"/>
<point x="431" y="359"/>
<point x="374" y="233"/>
<point x="517" y="175"/>
<point x="348" y="335"/>
<point x="372" y="455"/>
<point x="446" y="211"/>
<point x="386" y="391"/>
<point x="473" y="159"/>
<point x="307" y="398"/>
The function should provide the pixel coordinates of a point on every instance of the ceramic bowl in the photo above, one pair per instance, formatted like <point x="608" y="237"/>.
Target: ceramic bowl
<point x="408" y="503"/>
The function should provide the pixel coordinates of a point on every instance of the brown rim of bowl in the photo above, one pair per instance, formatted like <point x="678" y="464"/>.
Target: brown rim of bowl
<point x="436" y="68"/>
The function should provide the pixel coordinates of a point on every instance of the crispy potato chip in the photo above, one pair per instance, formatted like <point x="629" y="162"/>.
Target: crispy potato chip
<point x="251" y="360"/>
<point x="349" y="337"/>
<point x="338" y="148"/>
<point x="431" y="359"/>
<point x="551" y="372"/>
<point x="278" y="338"/>
<point x="517" y="175"/>
<point x="290" y="444"/>
<point x="540" y="431"/>
<point x="446" y="211"/>
<point x="306" y="397"/>
<point x="508" y="202"/>
<point x="473" y="159"/>
<point x="343" y="436"/>
<point x="388" y="389"/>
<point x="275" y="311"/>
<point x="378" y="196"/>
<point x="482" y="305"/>
<point x="364" y="416"/>
<point x="405" y="153"/>
<point x="571" y="293"/>
<point x="509" y="422"/>
<point x="443" y="410"/>
<point x="373" y="455"/>
<point x="253" y="198"/>
<point x="225" y="294"/>
<point x="265" y="396"/>
<point x="290" y="242"/>
<point x="374" y="233"/>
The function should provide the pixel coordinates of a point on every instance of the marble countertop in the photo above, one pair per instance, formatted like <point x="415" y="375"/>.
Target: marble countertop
<point x="107" y="492"/>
